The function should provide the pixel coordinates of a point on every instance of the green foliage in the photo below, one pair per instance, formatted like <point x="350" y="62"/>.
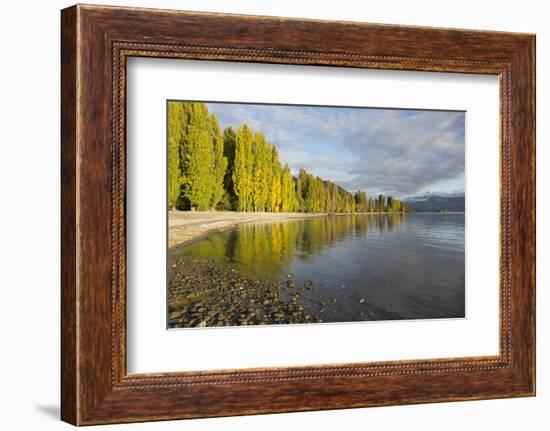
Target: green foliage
<point x="380" y="203"/>
<point x="289" y="201"/>
<point x="262" y="173"/>
<point x="243" y="168"/>
<point x="197" y="158"/>
<point x="305" y="191"/>
<point x="361" y="203"/>
<point x="176" y="122"/>
<point x="371" y="206"/>
<point x="320" y="195"/>
<point x="229" y="138"/>
<point x="389" y="203"/>
<point x="219" y="165"/>
<point x="275" y="193"/>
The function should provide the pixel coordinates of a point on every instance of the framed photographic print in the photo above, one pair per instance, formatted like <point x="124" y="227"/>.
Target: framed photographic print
<point x="265" y="215"/>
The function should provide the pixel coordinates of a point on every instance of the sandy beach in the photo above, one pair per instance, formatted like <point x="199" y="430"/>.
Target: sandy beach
<point x="185" y="226"/>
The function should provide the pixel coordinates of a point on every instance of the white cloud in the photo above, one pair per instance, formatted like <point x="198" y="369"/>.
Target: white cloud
<point x="402" y="152"/>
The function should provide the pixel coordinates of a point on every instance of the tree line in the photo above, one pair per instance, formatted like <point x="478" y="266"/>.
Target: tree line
<point x="241" y="171"/>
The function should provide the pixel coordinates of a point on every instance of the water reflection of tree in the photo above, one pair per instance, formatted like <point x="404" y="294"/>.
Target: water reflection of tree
<point x="266" y="248"/>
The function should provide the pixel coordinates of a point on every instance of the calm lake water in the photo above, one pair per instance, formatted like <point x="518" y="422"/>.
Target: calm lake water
<point x="358" y="267"/>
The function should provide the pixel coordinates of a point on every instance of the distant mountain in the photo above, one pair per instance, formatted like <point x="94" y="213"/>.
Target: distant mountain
<point x="436" y="203"/>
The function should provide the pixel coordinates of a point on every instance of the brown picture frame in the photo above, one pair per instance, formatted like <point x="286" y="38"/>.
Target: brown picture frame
<point x="95" y="43"/>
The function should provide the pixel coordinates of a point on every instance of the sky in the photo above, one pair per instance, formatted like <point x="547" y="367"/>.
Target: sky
<point x="398" y="152"/>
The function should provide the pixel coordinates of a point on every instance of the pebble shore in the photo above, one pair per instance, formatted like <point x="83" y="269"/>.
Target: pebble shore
<point x="203" y="293"/>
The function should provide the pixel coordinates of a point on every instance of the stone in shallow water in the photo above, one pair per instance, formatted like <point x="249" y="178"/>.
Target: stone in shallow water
<point x="175" y="315"/>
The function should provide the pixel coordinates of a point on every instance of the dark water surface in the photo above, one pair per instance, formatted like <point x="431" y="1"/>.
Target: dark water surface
<point x="354" y="267"/>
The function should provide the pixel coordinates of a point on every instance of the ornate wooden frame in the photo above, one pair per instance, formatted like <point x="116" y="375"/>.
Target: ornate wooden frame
<point x="95" y="43"/>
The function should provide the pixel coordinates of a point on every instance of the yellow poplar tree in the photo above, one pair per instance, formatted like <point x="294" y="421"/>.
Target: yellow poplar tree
<point x="261" y="172"/>
<point x="243" y="167"/>
<point x="219" y="164"/>
<point x="288" y="191"/>
<point x="197" y="158"/>
<point x="276" y="182"/>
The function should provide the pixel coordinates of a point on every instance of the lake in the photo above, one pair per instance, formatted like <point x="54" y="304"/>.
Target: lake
<point x="352" y="267"/>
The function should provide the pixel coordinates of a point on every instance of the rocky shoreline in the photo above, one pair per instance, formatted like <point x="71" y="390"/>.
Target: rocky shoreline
<point x="204" y="293"/>
<point x="210" y="293"/>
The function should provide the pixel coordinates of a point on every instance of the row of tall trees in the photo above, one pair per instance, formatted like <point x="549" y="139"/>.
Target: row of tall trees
<point x="316" y="195"/>
<point x="378" y="204"/>
<point x="240" y="170"/>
